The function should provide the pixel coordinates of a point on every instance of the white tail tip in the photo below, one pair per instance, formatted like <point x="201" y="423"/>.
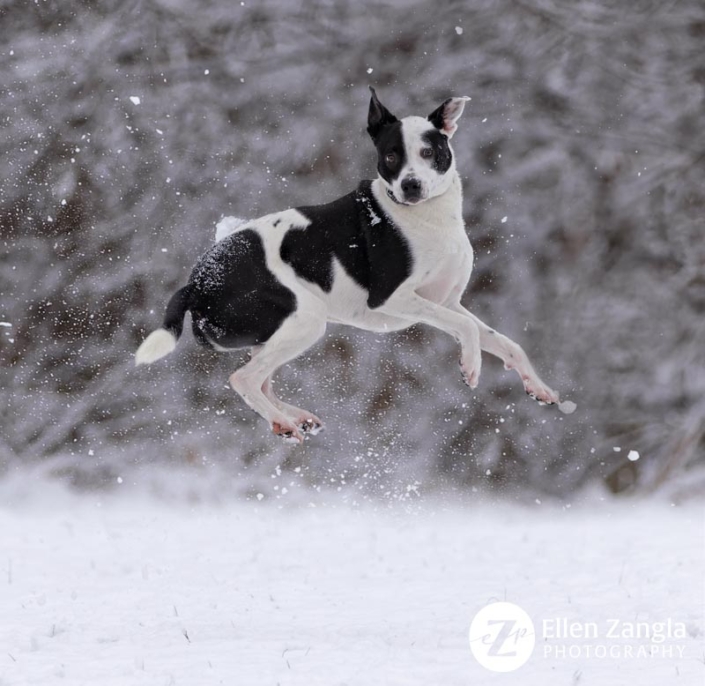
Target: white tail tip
<point x="228" y="225"/>
<point x="158" y="344"/>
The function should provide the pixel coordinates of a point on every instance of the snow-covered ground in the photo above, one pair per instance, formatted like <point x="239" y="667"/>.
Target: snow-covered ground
<point x="109" y="590"/>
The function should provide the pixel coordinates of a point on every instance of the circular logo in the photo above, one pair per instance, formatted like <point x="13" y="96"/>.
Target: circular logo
<point x="502" y="637"/>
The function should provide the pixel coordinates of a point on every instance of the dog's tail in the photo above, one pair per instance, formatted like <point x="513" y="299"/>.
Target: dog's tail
<point x="161" y="342"/>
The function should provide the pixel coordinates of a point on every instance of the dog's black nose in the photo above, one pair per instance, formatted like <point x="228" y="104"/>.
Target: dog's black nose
<point x="411" y="187"/>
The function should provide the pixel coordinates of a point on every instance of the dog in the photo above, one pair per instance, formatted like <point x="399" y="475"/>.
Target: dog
<point x="390" y="254"/>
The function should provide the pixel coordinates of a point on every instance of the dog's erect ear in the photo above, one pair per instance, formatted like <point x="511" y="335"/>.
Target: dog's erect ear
<point x="378" y="117"/>
<point x="445" y="117"/>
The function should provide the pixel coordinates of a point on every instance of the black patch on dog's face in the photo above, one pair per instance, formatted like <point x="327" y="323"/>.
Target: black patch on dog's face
<point x="386" y="133"/>
<point x="442" y="156"/>
<point x="391" y="153"/>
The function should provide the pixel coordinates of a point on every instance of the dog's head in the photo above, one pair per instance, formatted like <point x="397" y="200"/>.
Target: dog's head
<point x="414" y="154"/>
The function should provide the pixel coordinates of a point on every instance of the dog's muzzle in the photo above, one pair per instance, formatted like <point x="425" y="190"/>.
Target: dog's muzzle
<point x="412" y="188"/>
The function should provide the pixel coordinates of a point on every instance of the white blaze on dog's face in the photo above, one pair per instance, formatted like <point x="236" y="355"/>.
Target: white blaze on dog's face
<point x="414" y="154"/>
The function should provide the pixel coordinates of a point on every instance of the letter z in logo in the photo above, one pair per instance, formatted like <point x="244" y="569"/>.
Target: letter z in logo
<point x="502" y="637"/>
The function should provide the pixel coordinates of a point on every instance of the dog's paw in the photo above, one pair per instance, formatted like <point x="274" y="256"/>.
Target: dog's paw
<point x="471" y="373"/>
<point x="289" y="433"/>
<point x="311" y="425"/>
<point x="539" y="391"/>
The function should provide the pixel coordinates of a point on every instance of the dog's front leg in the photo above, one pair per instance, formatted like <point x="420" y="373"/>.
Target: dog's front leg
<point x="513" y="356"/>
<point x="412" y="307"/>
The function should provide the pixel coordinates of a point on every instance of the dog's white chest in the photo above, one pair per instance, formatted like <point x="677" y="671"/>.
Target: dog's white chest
<point x="447" y="269"/>
<point x="441" y="251"/>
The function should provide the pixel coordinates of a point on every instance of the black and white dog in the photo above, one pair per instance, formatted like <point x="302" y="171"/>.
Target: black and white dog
<point x="392" y="253"/>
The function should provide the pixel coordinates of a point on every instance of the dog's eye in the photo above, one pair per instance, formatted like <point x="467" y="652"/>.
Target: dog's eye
<point x="390" y="158"/>
<point x="427" y="153"/>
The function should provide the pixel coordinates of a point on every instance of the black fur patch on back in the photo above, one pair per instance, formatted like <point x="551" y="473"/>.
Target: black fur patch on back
<point x="442" y="156"/>
<point x="235" y="301"/>
<point x="354" y="230"/>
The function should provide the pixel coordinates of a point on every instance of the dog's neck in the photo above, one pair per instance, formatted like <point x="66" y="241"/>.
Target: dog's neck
<point x="444" y="210"/>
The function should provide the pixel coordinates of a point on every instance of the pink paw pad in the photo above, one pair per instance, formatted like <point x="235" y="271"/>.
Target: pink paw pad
<point x="310" y="426"/>
<point x="287" y="432"/>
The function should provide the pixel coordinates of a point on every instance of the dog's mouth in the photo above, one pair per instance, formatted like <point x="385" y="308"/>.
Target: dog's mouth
<point x="414" y="200"/>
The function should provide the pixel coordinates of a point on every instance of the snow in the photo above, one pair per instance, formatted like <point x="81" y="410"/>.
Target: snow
<point x="567" y="407"/>
<point x="116" y="590"/>
<point x="374" y="217"/>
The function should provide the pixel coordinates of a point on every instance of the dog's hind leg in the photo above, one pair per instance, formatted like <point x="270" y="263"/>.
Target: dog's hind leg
<point x="514" y="357"/>
<point x="307" y="422"/>
<point x="297" y="333"/>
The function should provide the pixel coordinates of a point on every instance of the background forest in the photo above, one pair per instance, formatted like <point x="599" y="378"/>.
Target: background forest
<point x="129" y="128"/>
